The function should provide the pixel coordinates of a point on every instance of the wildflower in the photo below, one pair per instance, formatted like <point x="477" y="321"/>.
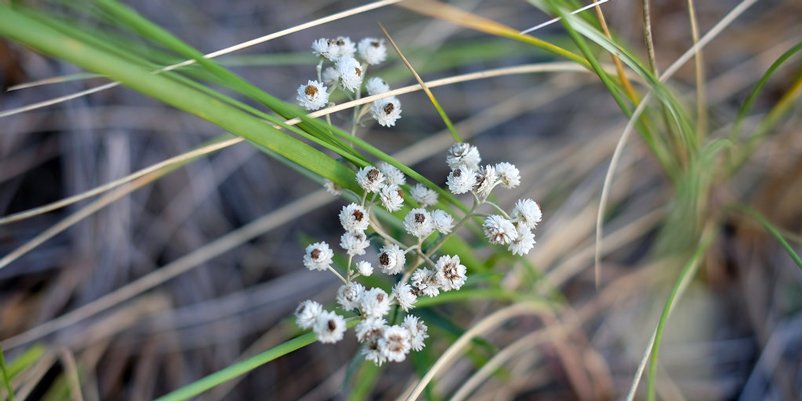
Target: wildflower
<point x="372" y="327"/>
<point x="463" y="154"/>
<point x="443" y="221"/>
<point x="373" y="353"/>
<point x="364" y="268"/>
<point x="350" y="73"/>
<point x="376" y="85"/>
<point x="417" y="332"/>
<point x="424" y="196"/>
<point x="374" y="303"/>
<point x="392" y="259"/>
<point x="450" y="273"/>
<point x="499" y="230"/>
<point x="508" y="175"/>
<point x="370" y="179"/>
<point x="404" y="296"/>
<point x="348" y="295"/>
<point x="332" y="188"/>
<point x="372" y="50"/>
<point x="306" y="314"/>
<point x="419" y="223"/>
<point x="394" y="344"/>
<point x="330" y="76"/>
<point x="523" y="242"/>
<point x="485" y="181"/>
<point x="392" y="197"/>
<point x="334" y="49"/>
<point x="329" y="327"/>
<point x="318" y="256"/>
<point x="461" y="180"/>
<point x="354" y="218"/>
<point x="392" y="174"/>
<point x="313" y="95"/>
<point x="526" y="212"/>
<point x="354" y="242"/>
<point x="386" y="111"/>
<point x="425" y="283"/>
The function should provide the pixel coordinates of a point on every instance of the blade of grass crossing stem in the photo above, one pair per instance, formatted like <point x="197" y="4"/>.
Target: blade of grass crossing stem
<point x="43" y="38"/>
<point x="6" y="375"/>
<point x="771" y="229"/>
<point x="679" y="287"/>
<point x="425" y="88"/>
<point x="242" y="367"/>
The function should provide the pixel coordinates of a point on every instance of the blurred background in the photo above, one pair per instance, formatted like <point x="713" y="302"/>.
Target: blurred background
<point x="214" y="248"/>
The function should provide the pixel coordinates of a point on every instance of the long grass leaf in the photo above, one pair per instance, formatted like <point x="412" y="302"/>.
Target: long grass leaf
<point x="776" y="233"/>
<point x="6" y="374"/>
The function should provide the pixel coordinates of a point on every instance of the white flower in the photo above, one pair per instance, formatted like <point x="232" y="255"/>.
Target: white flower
<point x="376" y="85"/>
<point x="485" y="181"/>
<point x="404" y="296"/>
<point x="499" y="230"/>
<point x="424" y="196"/>
<point x="350" y="73"/>
<point x="523" y="243"/>
<point x="394" y="344"/>
<point x="392" y="174"/>
<point x="461" y="180"/>
<point x="364" y="268"/>
<point x="443" y="221"/>
<point x="318" y="256"/>
<point x="332" y="188"/>
<point x="354" y="242"/>
<point x="370" y="179"/>
<point x="386" y="111"/>
<point x="372" y="327"/>
<point x="312" y="95"/>
<point x="425" y="282"/>
<point x="392" y="259"/>
<point x="508" y="175"/>
<point x="334" y="49"/>
<point x="527" y="213"/>
<point x="392" y="197"/>
<point x="374" y="303"/>
<point x="307" y="312"/>
<point x="354" y="218"/>
<point x="417" y="332"/>
<point x="450" y="273"/>
<point x="329" y="327"/>
<point x="419" y="223"/>
<point x="373" y="353"/>
<point x="348" y="295"/>
<point x="463" y="154"/>
<point x="330" y="76"/>
<point x="372" y="50"/>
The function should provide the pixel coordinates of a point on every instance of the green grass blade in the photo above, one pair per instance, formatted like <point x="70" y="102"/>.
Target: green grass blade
<point x="6" y="374"/>
<point x="771" y="229"/>
<point x="24" y="361"/>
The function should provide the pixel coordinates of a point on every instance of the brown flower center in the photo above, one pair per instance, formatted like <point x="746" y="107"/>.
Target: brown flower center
<point x="332" y="325"/>
<point x="310" y="91"/>
<point x="419" y="218"/>
<point x="358" y="215"/>
<point x="315" y="253"/>
<point x="373" y="175"/>
<point x="389" y="108"/>
<point x="375" y="44"/>
<point x="384" y="259"/>
<point x="358" y="71"/>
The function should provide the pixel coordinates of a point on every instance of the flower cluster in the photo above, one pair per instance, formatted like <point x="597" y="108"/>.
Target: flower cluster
<point x="349" y="64"/>
<point x="418" y="272"/>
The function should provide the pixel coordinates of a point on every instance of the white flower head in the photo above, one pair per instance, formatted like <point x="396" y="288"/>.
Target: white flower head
<point x="450" y="273"/>
<point x="313" y="95"/>
<point x="424" y="282"/>
<point x="350" y="73"/>
<point x="461" y="180"/>
<point x="376" y="85"/>
<point x="417" y="332"/>
<point x="372" y="50"/>
<point x="392" y="259"/>
<point x="348" y="295"/>
<point x="306" y="313"/>
<point x="392" y="174"/>
<point x="370" y="179"/>
<point x="332" y="188"/>
<point x="373" y="353"/>
<point x="354" y="218"/>
<point x="527" y="213"/>
<point x="392" y="197"/>
<point x="424" y="196"/>
<point x="374" y="303"/>
<point x="508" y="175"/>
<point x="394" y="344"/>
<point x="523" y="242"/>
<point x="330" y="76"/>
<point x="485" y="181"/>
<point x="386" y="111"/>
<point x="443" y="221"/>
<point x="329" y="327"/>
<point x="404" y="296"/>
<point x="463" y="154"/>
<point x="499" y="230"/>
<point x="354" y="242"/>
<point x="370" y="328"/>
<point x="334" y="49"/>
<point x="419" y="223"/>
<point x="364" y="268"/>
<point x="318" y="256"/>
